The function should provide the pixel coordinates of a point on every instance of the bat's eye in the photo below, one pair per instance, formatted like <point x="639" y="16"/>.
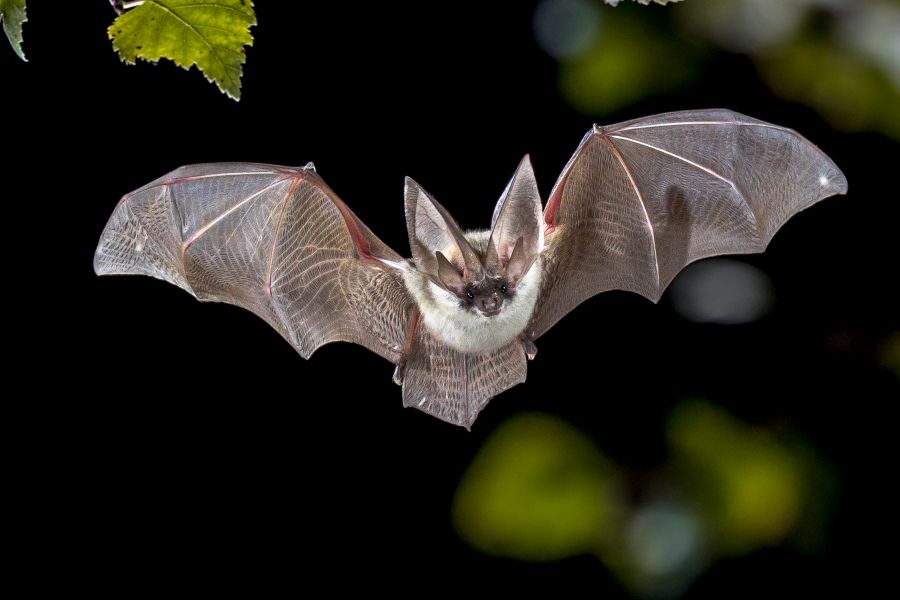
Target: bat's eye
<point x="470" y="295"/>
<point x="503" y="289"/>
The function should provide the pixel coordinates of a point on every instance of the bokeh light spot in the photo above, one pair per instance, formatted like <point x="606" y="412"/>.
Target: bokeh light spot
<point x="566" y="28"/>
<point x="722" y="291"/>
<point x="663" y="538"/>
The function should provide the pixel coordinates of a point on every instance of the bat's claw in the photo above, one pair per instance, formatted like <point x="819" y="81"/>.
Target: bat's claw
<point x="399" y="372"/>
<point x="530" y="348"/>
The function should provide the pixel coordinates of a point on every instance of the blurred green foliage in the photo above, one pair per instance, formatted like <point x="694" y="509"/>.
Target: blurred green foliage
<point x="538" y="490"/>
<point x="750" y="485"/>
<point x="840" y="57"/>
<point x="541" y="490"/>
<point x="889" y="356"/>
<point x="644" y="2"/>
<point x="851" y="93"/>
<point x="614" y="72"/>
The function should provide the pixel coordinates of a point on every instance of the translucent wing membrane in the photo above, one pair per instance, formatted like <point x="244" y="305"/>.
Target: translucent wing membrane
<point x="640" y="200"/>
<point x="454" y="386"/>
<point x="273" y="240"/>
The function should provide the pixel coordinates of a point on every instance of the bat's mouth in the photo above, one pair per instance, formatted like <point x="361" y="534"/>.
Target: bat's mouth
<point x="490" y="313"/>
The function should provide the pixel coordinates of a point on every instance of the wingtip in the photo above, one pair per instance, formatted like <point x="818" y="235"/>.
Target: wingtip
<point x="833" y="185"/>
<point x="97" y="268"/>
<point x="842" y="184"/>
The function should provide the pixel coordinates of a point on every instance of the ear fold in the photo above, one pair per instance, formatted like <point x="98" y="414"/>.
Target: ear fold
<point x="516" y="225"/>
<point x="519" y="262"/>
<point x="433" y="232"/>
<point x="449" y="277"/>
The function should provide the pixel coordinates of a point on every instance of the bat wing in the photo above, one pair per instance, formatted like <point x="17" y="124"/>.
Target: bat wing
<point x="273" y="240"/>
<point x="640" y="200"/>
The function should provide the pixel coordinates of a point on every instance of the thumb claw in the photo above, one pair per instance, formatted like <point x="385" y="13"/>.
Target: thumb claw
<point x="530" y="348"/>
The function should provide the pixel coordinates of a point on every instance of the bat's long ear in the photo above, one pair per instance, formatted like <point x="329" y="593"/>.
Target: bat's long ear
<point x="516" y="233"/>
<point x="431" y="230"/>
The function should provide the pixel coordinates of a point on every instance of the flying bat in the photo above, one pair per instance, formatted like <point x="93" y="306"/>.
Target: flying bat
<point x="634" y="205"/>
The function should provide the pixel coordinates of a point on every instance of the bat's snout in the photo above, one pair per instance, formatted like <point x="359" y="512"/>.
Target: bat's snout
<point x="489" y="305"/>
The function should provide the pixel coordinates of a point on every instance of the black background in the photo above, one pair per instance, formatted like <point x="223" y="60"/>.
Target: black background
<point x="173" y="445"/>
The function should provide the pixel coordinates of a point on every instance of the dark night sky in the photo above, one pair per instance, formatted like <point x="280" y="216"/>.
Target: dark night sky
<point x="191" y="445"/>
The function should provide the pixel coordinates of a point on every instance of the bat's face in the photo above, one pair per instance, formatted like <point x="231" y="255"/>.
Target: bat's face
<point x="489" y="286"/>
<point x="486" y="296"/>
<point x="478" y="291"/>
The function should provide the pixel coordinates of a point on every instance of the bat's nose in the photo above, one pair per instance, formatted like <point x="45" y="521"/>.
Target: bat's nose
<point x="490" y="304"/>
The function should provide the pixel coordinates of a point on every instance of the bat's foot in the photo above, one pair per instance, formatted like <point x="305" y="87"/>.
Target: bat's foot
<point x="399" y="372"/>
<point x="528" y="345"/>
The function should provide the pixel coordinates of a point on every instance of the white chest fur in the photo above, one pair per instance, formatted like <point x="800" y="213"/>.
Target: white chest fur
<point x="466" y="330"/>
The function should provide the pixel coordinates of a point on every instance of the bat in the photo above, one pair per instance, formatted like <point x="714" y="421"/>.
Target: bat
<point x="634" y="205"/>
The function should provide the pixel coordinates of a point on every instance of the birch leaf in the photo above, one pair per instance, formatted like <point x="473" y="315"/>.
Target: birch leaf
<point x="210" y="34"/>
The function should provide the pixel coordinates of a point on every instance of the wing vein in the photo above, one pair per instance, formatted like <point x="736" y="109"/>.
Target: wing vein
<point x="212" y="223"/>
<point x="209" y="176"/>
<point x="731" y="183"/>
<point x="688" y="123"/>
<point x="278" y="226"/>
<point x="681" y="158"/>
<point x="166" y="182"/>
<point x="640" y="198"/>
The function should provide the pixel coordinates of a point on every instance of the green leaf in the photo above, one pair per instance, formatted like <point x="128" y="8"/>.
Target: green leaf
<point x="12" y="13"/>
<point x="208" y="33"/>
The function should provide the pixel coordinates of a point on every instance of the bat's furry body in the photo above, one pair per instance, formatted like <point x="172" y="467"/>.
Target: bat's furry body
<point x="468" y="331"/>
<point x="636" y="203"/>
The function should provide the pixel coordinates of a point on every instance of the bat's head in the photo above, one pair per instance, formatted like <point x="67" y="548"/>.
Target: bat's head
<point x="481" y="270"/>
